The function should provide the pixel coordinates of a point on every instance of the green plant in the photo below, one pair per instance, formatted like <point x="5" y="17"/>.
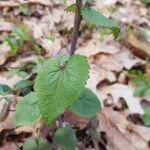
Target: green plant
<point x="60" y="85"/>
<point x="142" y="83"/>
<point x="146" y="2"/>
<point x="146" y="116"/>
<point x="19" y="37"/>
<point x="23" y="8"/>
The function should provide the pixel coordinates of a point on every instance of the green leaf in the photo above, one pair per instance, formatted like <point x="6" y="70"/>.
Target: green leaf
<point x="12" y="42"/>
<point x="71" y="8"/>
<point x="27" y="111"/>
<point x="66" y="138"/>
<point x="23" y="8"/>
<point x="5" y="89"/>
<point x="146" y="116"/>
<point x="16" y="71"/>
<point x="22" y="74"/>
<point x="36" y="144"/>
<point x="146" y="2"/>
<point x="98" y="19"/>
<point x="140" y="90"/>
<point x="87" y="105"/>
<point x="142" y="82"/>
<point x="59" y="84"/>
<point x="23" y="86"/>
<point x="21" y="33"/>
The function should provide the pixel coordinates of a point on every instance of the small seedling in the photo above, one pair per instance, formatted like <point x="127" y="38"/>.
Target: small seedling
<point x="142" y="82"/>
<point x="19" y="37"/>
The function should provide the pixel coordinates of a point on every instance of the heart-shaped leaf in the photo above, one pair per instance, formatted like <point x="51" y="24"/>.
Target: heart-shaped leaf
<point x="66" y="138"/>
<point x="36" y="144"/>
<point x="87" y="105"/>
<point x="59" y="84"/>
<point x="27" y="111"/>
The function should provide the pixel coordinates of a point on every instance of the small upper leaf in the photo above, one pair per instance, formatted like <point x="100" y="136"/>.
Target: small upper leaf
<point x="27" y="111"/>
<point x="71" y="8"/>
<point x="146" y="116"/>
<point x="36" y="144"/>
<point x="66" y="138"/>
<point x="23" y="86"/>
<point x="98" y="19"/>
<point x="87" y="105"/>
<point x="5" y="89"/>
<point x="59" y="84"/>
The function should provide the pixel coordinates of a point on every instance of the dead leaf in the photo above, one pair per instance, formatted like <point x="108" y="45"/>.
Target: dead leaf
<point x="108" y="62"/>
<point x="4" y="52"/>
<point x="43" y="2"/>
<point x="6" y="26"/>
<point x="122" y="134"/>
<point x="11" y="81"/>
<point x="21" y="62"/>
<point x="132" y="13"/>
<point x="118" y="91"/>
<point x="79" y="122"/>
<point x="128" y="60"/>
<point x="94" y="46"/>
<point x="9" y="146"/>
<point x="8" y="123"/>
<point x="141" y="47"/>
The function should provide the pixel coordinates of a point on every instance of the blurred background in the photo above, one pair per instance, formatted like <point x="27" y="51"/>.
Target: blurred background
<point x="34" y="30"/>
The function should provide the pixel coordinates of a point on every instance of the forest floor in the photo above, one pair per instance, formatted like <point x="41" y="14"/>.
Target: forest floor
<point x="44" y="30"/>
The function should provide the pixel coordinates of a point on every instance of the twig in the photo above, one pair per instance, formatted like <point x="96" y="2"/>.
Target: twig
<point x="77" y="21"/>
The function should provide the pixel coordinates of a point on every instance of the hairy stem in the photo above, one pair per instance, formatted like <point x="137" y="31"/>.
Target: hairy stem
<point x="77" y="21"/>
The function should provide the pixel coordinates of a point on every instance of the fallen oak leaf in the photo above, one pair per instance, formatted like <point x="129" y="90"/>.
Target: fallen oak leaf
<point x="122" y="132"/>
<point x="118" y="91"/>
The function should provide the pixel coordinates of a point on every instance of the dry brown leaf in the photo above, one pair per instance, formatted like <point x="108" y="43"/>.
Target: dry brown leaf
<point x="105" y="3"/>
<point x="122" y="134"/>
<point x="118" y="91"/>
<point x="108" y="62"/>
<point x="11" y="81"/>
<point x="141" y="47"/>
<point x="4" y="52"/>
<point x="132" y="13"/>
<point x="8" y="123"/>
<point x="94" y="46"/>
<point x="27" y="129"/>
<point x="2" y="59"/>
<point x="96" y="76"/>
<point x="118" y="61"/>
<point x="43" y="2"/>
<point x="21" y="62"/>
<point x="79" y="122"/>
<point x="6" y="26"/>
<point x="128" y="60"/>
<point x="10" y="3"/>
<point x="9" y="146"/>
<point x="51" y="48"/>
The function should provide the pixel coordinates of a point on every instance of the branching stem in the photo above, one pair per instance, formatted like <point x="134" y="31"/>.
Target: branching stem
<point x="77" y="21"/>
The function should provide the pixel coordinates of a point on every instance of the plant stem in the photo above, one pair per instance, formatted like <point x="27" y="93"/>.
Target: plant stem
<point x="77" y="21"/>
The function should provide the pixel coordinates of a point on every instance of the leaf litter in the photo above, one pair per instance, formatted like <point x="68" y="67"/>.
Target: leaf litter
<point x="109" y="63"/>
